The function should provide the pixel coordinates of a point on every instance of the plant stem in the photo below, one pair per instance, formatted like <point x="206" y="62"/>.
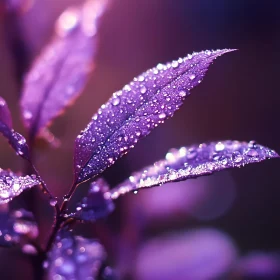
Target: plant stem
<point x="45" y="188"/>
<point x="67" y="197"/>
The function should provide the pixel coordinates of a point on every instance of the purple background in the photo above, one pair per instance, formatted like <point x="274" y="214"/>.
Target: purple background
<point x="238" y="99"/>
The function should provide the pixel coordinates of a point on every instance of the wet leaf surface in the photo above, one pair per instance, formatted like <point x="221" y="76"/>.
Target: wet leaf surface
<point x="133" y="112"/>
<point x="192" y="162"/>
<point x="16" y="140"/>
<point x="12" y="185"/>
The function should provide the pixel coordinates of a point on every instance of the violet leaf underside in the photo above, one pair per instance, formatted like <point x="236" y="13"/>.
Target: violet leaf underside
<point x="192" y="162"/>
<point x="84" y="262"/>
<point x="133" y="112"/>
<point x="12" y="185"/>
<point x="95" y="205"/>
<point x="16" y="140"/>
<point x="17" y="227"/>
<point x="61" y="71"/>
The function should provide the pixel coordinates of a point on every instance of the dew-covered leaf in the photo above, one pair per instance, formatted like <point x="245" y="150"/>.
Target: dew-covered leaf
<point x="16" y="140"/>
<point x="133" y="112"/>
<point x="60" y="73"/>
<point x="12" y="185"/>
<point x="96" y="204"/>
<point x="192" y="162"/>
<point x="17" y="227"/>
<point x="75" y="257"/>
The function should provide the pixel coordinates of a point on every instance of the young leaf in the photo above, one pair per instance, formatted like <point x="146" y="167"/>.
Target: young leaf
<point x="74" y="257"/>
<point x="193" y="162"/>
<point x="95" y="206"/>
<point x="16" y="140"/>
<point x="12" y="185"/>
<point x="59" y="74"/>
<point x="17" y="226"/>
<point x="133" y="112"/>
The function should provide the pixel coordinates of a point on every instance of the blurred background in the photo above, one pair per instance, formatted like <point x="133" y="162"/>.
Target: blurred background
<point x="221" y="227"/>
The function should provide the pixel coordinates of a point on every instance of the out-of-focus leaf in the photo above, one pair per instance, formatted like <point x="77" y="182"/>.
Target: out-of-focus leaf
<point x="197" y="254"/>
<point x="5" y="114"/>
<point x="12" y="185"/>
<point x="193" y="162"/>
<point x="17" y="227"/>
<point x="59" y="74"/>
<point x="95" y="205"/>
<point x="108" y="274"/>
<point x="46" y="138"/>
<point x="133" y="112"/>
<point x="257" y="265"/>
<point x="16" y="140"/>
<point x="75" y="257"/>
<point x="19" y="6"/>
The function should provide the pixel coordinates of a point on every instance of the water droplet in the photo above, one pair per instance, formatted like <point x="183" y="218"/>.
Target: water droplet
<point x="16" y="187"/>
<point x="191" y="153"/>
<point x="223" y="160"/>
<point x="237" y="157"/>
<point x="138" y="133"/>
<point x="162" y="115"/>
<point x="160" y="66"/>
<point x="29" y="249"/>
<point x="141" y="78"/>
<point x="53" y="201"/>
<point x="27" y="115"/>
<point x="252" y="144"/>
<point x="175" y="64"/>
<point x="143" y="89"/>
<point x="7" y="237"/>
<point x="116" y="101"/>
<point x="219" y="147"/>
<point x="252" y="153"/>
<point x="45" y="264"/>
<point x="192" y="76"/>
<point x="22" y="141"/>
<point x="182" y="93"/>
<point x="170" y="157"/>
<point x="111" y="160"/>
<point x="127" y="88"/>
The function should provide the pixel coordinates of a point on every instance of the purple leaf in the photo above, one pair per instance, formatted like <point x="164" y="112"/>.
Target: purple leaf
<point x="59" y="74"/>
<point x="95" y="206"/>
<point x="193" y="162"/>
<point x="5" y="114"/>
<point x="12" y="185"/>
<point x="196" y="254"/>
<point x="17" y="227"/>
<point x="84" y="261"/>
<point x="16" y="140"/>
<point x="133" y="112"/>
